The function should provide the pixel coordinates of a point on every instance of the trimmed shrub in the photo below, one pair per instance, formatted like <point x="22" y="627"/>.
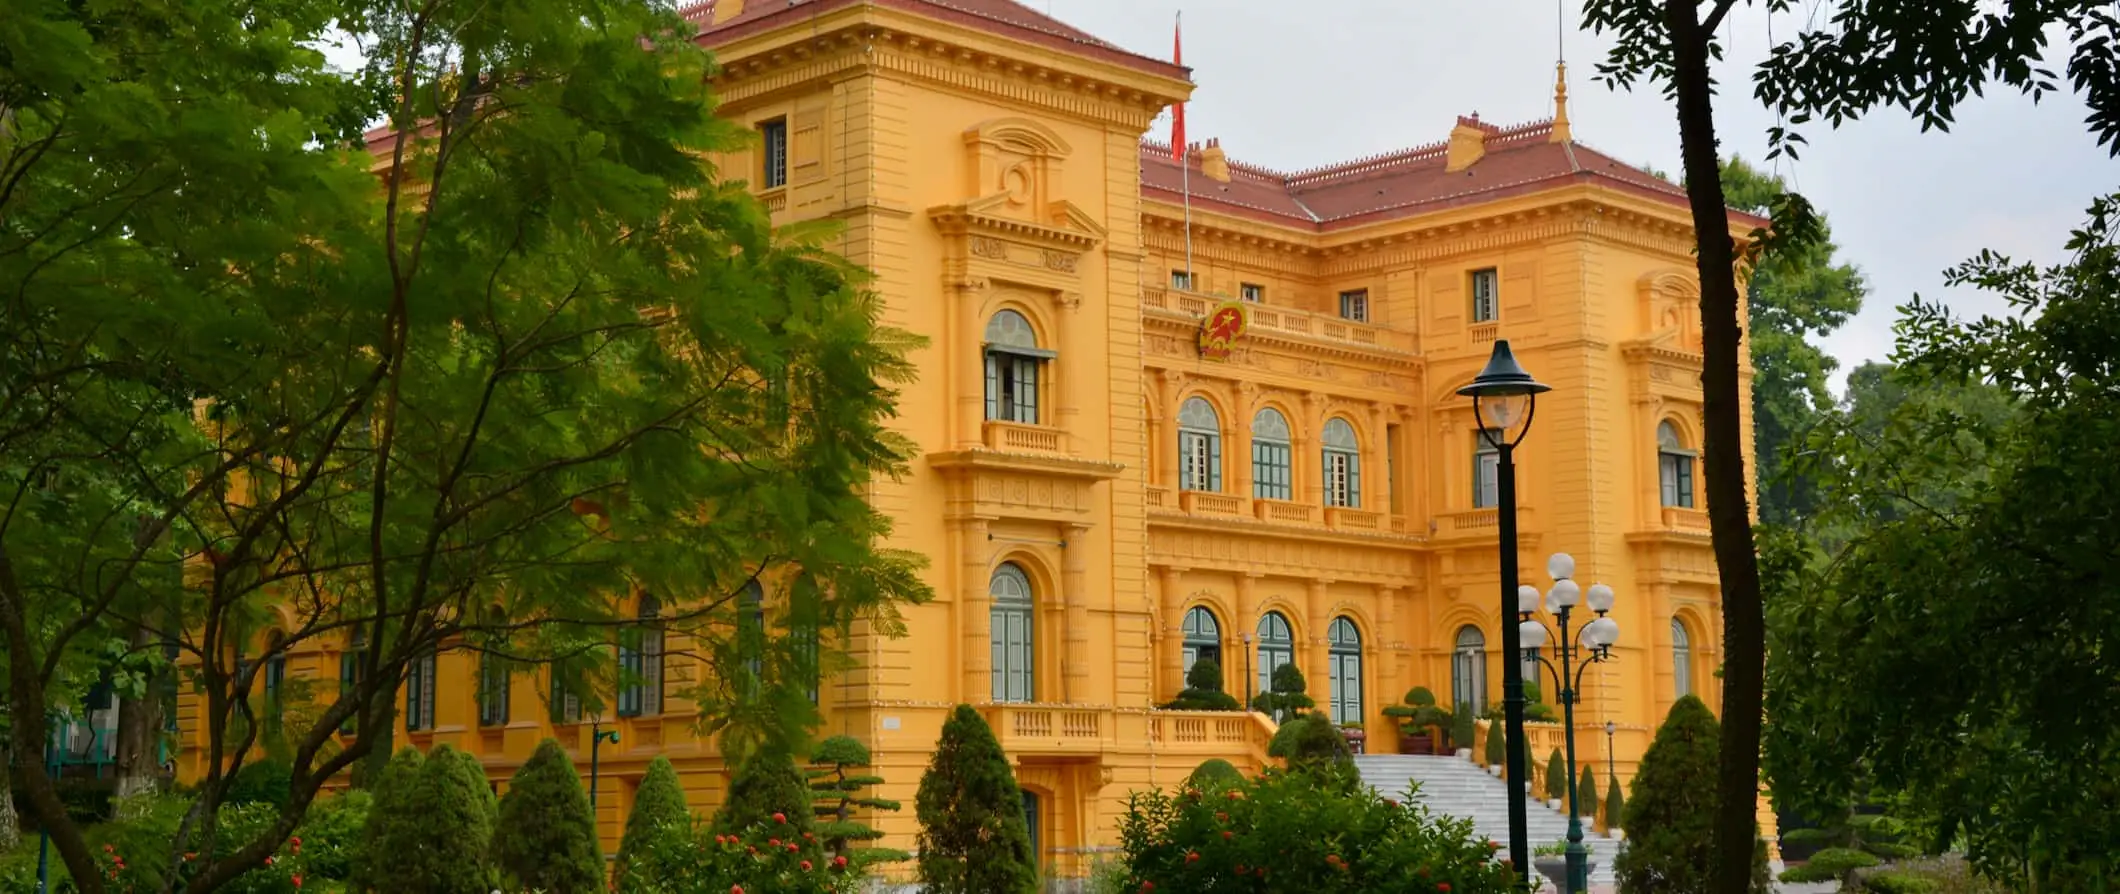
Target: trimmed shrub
<point x="389" y="821"/>
<point x="1214" y="774"/>
<point x="1615" y="806"/>
<point x="474" y="771"/>
<point x="1586" y="794"/>
<point x="1497" y="744"/>
<point x="1286" y="696"/>
<point x="1309" y="740"/>
<point x="1670" y="817"/>
<point x="547" y="839"/>
<point x="973" y="835"/>
<point x="442" y="846"/>
<point x="1900" y="883"/>
<point x="659" y="813"/>
<point x="1830" y="865"/>
<point x="1461" y="727"/>
<point x="1203" y="690"/>
<point x="1284" y="832"/>
<point x="767" y="790"/>
<point x="1556" y="775"/>
<point x="263" y="781"/>
<point x="836" y="793"/>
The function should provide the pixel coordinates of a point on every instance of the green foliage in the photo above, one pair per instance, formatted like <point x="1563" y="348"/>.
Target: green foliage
<point x="547" y="838"/>
<point x="1203" y="690"/>
<point x="1900" y="883"/>
<point x="1286" y="832"/>
<point x="1214" y="774"/>
<point x="767" y="790"/>
<point x="442" y="832"/>
<point x="1286" y="694"/>
<point x="659" y="811"/>
<point x="1536" y="711"/>
<point x="974" y="838"/>
<point x="1615" y="806"/>
<point x="837" y="792"/>
<point x="1556" y="775"/>
<point x="390" y="823"/>
<point x="1586" y="793"/>
<point x="768" y="859"/>
<point x="1830" y="865"/>
<point x="1670" y="815"/>
<point x="264" y="781"/>
<point x="1461" y="727"/>
<point x="1310" y="740"/>
<point x="1924" y="655"/>
<point x="1497" y="744"/>
<point x="1419" y="713"/>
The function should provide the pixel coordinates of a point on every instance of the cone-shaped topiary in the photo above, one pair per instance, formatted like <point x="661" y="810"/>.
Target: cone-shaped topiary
<point x="390" y="824"/>
<point x="474" y="771"/>
<point x="547" y="840"/>
<point x="1556" y="775"/>
<point x="1615" y="806"/>
<point x="1214" y="773"/>
<point x="973" y="836"/>
<point x="836" y="792"/>
<point x="659" y="815"/>
<point x="768" y="791"/>
<point x="1586" y="794"/>
<point x="452" y="832"/>
<point x="1497" y="744"/>
<point x="1461" y="727"/>
<point x="1670" y="817"/>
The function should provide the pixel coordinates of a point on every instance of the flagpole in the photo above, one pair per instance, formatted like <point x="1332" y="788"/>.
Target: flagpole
<point x="1184" y="158"/>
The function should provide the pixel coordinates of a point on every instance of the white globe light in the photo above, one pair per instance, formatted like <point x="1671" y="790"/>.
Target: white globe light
<point x="1526" y="599"/>
<point x="1600" y="598"/>
<point x="1601" y="633"/>
<point x="1560" y="566"/>
<point x="1533" y="634"/>
<point x="1563" y="595"/>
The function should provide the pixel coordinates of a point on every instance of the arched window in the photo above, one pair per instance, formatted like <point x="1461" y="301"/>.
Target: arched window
<point x="751" y="630"/>
<point x="1013" y="363"/>
<point x="1343" y="465"/>
<point x="1199" y="445"/>
<point x="640" y="660"/>
<point x="1203" y="636"/>
<point x="1681" y="659"/>
<point x="1674" y="465"/>
<point x="1277" y="646"/>
<point x="1468" y="669"/>
<point x="1271" y="456"/>
<point x="1344" y="642"/>
<point x="1012" y="634"/>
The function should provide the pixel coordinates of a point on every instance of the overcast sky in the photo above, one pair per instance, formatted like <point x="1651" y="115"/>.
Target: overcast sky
<point x="1300" y="83"/>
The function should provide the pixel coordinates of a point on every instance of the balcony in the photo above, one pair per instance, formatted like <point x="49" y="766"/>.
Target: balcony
<point x="1016" y="437"/>
<point x="1047" y="729"/>
<point x="1283" y="321"/>
<point x="1691" y="521"/>
<point x="1350" y="519"/>
<point x="1483" y="333"/>
<point x="1284" y="512"/>
<point x="1224" y="734"/>
<point x="1200" y="502"/>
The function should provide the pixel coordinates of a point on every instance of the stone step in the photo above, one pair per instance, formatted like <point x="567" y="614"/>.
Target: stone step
<point x="1458" y="788"/>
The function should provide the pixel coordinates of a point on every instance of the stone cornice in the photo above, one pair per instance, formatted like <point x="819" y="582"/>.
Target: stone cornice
<point x="1071" y="230"/>
<point x="978" y="459"/>
<point x="1186" y="325"/>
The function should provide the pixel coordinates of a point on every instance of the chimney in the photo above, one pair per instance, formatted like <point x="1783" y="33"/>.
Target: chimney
<point x="1468" y="142"/>
<point x="725" y="10"/>
<point x="1214" y="163"/>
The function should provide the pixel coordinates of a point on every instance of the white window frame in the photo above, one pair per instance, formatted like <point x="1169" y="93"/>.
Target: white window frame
<point x="1354" y="305"/>
<point x="1486" y="290"/>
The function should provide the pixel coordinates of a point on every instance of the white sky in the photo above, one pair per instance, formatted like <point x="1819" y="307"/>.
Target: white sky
<point x="1299" y="83"/>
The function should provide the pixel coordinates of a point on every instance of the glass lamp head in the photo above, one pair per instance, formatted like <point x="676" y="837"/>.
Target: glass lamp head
<point x="1564" y="595"/>
<point x="1503" y="395"/>
<point x="1601" y="634"/>
<point x="1600" y="598"/>
<point x="1526" y="599"/>
<point x="1533" y="634"/>
<point x="1560" y="566"/>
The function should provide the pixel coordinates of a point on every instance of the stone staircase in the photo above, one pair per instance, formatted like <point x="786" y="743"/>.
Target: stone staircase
<point x="1458" y="788"/>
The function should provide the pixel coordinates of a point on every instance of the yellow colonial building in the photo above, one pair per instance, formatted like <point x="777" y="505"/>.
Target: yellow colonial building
<point x="1103" y="500"/>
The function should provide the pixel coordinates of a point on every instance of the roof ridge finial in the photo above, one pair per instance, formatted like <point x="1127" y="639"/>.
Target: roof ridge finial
<point x="1560" y="104"/>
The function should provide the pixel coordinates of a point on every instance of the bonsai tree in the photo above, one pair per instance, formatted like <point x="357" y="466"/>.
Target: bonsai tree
<point x="767" y="790"/>
<point x="1286" y="696"/>
<point x="1556" y="775"/>
<point x="659" y="816"/>
<point x="1308" y="741"/>
<point x="1203" y="690"/>
<point x="1615" y="805"/>
<point x="1586" y="794"/>
<point x="1670" y="818"/>
<point x="547" y="839"/>
<point x="1497" y="749"/>
<point x="390" y="822"/>
<point x="836" y="793"/>
<point x="1418" y="715"/>
<point x="1461" y="727"/>
<point x="1214" y="773"/>
<point x="973" y="835"/>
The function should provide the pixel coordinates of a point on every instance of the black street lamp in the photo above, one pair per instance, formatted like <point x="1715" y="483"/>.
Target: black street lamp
<point x="597" y="737"/>
<point x="1247" y="671"/>
<point x="1592" y="644"/>
<point x="1611" y="760"/>
<point x="1503" y="398"/>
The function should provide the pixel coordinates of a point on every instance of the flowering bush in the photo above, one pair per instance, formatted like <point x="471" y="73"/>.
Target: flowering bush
<point x="1314" y="831"/>
<point x="775" y="858"/>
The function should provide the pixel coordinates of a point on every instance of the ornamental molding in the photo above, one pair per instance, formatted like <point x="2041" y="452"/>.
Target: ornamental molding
<point x="1294" y="349"/>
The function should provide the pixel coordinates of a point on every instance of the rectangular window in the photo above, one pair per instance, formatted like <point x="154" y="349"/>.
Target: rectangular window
<point x="1486" y="301"/>
<point x="493" y="680"/>
<point x="1343" y="479"/>
<point x="1012" y="386"/>
<point x="1354" y="305"/>
<point x="350" y="675"/>
<point x="1010" y="636"/>
<point x="1486" y="471"/>
<point x="1676" y="472"/>
<point x="1200" y="454"/>
<point x="1270" y="479"/>
<point x="1181" y="280"/>
<point x="1345" y="700"/>
<point x="419" y="693"/>
<point x="805" y="640"/>
<point x="566" y="702"/>
<point x="640" y="668"/>
<point x="775" y="152"/>
<point x="275" y="675"/>
<point x="1253" y="292"/>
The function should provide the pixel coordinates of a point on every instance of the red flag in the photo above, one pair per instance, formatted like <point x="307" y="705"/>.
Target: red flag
<point x="1177" y="121"/>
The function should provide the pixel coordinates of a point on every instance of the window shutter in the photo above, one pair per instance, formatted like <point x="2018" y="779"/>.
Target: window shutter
<point x="993" y="386"/>
<point x="652" y="674"/>
<point x="1026" y="397"/>
<point x="1214" y="462"/>
<point x="1354" y="479"/>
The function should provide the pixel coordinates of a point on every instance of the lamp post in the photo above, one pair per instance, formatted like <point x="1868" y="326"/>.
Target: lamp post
<point x="1505" y="395"/>
<point x="1591" y="645"/>
<point x="597" y="737"/>
<point x="1247" y="671"/>
<point x="1611" y="765"/>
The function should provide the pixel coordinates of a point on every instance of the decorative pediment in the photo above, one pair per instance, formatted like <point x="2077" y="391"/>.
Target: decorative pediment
<point x="1061" y="226"/>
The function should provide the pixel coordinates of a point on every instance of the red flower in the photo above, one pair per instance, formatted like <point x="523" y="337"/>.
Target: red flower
<point x="752" y="849"/>
<point x="780" y="818"/>
<point x="840" y="862"/>
<point x="773" y="841"/>
<point x="268" y="861"/>
<point x="1443" y="887"/>
<point x="1192" y="856"/>
<point x="1148" y="886"/>
<point x="297" y="881"/>
<point x="793" y="847"/>
<point x="805" y="865"/>
<point x="735" y="889"/>
<point x="1227" y="835"/>
<point x="109" y="849"/>
<point x="1221" y="817"/>
<point x="1240" y="869"/>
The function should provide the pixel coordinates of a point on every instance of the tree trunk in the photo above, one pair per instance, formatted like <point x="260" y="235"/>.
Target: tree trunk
<point x="1729" y="514"/>
<point x="27" y="701"/>
<point x="10" y="824"/>
<point x="139" y="736"/>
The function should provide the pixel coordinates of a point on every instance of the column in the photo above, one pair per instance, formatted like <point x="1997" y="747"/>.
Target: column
<point x="1074" y="580"/>
<point x="1308" y="465"/>
<point x="974" y="613"/>
<point x="1245" y="626"/>
<point x="1376" y="469"/>
<point x="1318" y="663"/>
<point x="1236" y="440"/>
<point x="1163" y="443"/>
<point x="1063" y="372"/>
<point x="966" y="358"/>
<point x="1381" y="646"/>
<point x="1170" y="638"/>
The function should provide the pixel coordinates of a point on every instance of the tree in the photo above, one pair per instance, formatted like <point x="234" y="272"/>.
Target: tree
<point x="1310" y="741"/>
<point x="1975" y="541"/>
<point x="1203" y="689"/>
<point x="489" y="472"/>
<point x="1461" y="726"/>
<point x="837" y="793"/>
<point x="1586" y="794"/>
<point x="1671" y="813"/>
<point x="1497" y="744"/>
<point x="441" y="833"/>
<point x="547" y="838"/>
<point x="1418" y="714"/>
<point x="1556" y="775"/>
<point x="973" y="838"/>
<point x="659" y="815"/>
<point x="1615" y="805"/>
<point x="474" y="775"/>
<point x="391" y="826"/>
<point x="1797" y="292"/>
<point x="768" y="791"/>
<point x="1286" y="694"/>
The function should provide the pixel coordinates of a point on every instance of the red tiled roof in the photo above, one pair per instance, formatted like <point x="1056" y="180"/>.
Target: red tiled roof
<point x="1518" y="160"/>
<point x="1005" y="17"/>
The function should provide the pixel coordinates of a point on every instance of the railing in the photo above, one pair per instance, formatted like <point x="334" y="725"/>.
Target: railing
<point x="1482" y="333"/>
<point x="1202" y="502"/>
<point x="1016" y="437"/>
<point x="1353" y="519"/>
<point x="1266" y="318"/>
<point x="775" y="199"/>
<point x="1218" y="733"/>
<point x="1682" y="519"/>
<point x="1466" y="522"/>
<point x="1284" y="511"/>
<point x="1158" y="497"/>
<point x="1043" y="728"/>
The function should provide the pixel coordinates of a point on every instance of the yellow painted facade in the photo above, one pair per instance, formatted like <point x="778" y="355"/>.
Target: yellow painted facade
<point x="983" y="169"/>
